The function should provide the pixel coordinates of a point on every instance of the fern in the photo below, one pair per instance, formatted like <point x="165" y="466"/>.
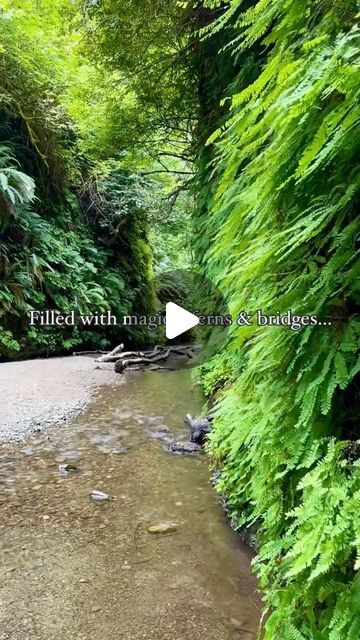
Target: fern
<point x="280" y="231"/>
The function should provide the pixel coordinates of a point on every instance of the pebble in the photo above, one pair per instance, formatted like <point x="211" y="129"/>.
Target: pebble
<point x="162" y="528"/>
<point x="99" y="496"/>
<point x="67" y="467"/>
<point x="95" y="609"/>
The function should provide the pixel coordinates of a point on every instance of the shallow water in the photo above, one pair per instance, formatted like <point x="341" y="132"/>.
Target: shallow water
<point x="84" y="570"/>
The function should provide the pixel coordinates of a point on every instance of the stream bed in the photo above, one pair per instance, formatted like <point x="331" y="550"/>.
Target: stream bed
<point x="86" y="570"/>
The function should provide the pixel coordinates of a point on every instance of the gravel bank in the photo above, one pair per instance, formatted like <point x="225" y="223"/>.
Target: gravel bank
<point x="37" y="393"/>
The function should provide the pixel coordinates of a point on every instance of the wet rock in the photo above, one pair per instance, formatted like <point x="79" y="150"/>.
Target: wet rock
<point x="200" y="428"/>
<point x="162" y="528"/>
<point x="215" y="477"/>
<point x="163" y="429"/>
<point x="185" y="448"/>
<point x="99" y="496"/>
<point x="67" y="468"/>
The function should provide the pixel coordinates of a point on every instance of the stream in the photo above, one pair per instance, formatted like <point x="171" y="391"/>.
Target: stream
<point x="83" y="570"/>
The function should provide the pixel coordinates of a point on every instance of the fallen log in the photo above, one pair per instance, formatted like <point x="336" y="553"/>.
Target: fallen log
<point x="158" y="354"/>
<point x="158" y="350"/>
<point x="112" y="353"/>
<point x="121" y="356"/>
<point x="89" y="353"/>
<point x="155" y="351"/>
<point x="115" y="355"/>
<point x="183" y="351"/>
<point x="121" y="365"/>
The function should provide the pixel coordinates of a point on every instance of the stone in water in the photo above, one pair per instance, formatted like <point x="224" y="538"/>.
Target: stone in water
<point x="162" y="528"/>
<point x="99" y="496"/>
<point x="67" y="468"/>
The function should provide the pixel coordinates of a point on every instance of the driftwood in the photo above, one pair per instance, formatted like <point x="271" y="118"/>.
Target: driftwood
<point x="114" y="352"/>
<point x="89" y="353"/>
<point x="138" y="359"/>
<point x="136" y="355"/>
<point x="118" y="354"/>
<point x="158" y="354"/>
<point x="121" y="365"/>
<point x="121" y="356"/>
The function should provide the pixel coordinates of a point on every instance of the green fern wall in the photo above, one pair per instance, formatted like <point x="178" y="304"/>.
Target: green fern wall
<point x="73" y="234"/>
<point x="279" y="222"/>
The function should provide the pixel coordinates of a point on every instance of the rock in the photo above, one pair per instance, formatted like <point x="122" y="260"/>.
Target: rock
<point x="95" y="609"/>
<point x="200" y="428"/>
<point x="67" y="468"/>
<point x="119" y="367"/>
<point x="161" y="528"/>
<point x="163" y="429"/>
<point x="99" y="496"/>
<point x="83" y="581"/>
<point x="185" y="447"/>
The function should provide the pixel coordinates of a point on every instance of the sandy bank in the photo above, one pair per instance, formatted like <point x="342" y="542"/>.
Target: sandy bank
<point x="37" y="393"/>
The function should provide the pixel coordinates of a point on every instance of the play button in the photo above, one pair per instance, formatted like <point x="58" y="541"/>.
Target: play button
<point x="178" y="320"/>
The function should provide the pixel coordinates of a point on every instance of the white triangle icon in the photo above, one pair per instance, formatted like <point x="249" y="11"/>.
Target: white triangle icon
<point x="178" y="320"/>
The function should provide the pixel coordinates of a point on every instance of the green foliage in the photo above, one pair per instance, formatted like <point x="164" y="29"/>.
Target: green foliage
<point x="61" y="249"/>
<point x="152" y="66"/>
<point x="15" y="186"/>
<point x="280" y="230"/>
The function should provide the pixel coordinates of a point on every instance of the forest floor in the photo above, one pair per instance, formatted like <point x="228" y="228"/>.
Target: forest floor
<point x="37" y="393"/>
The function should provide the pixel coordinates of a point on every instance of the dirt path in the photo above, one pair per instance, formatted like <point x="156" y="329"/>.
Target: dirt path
<point x="36" y="393"/>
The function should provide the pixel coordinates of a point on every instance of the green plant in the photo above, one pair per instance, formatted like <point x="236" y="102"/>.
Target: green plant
<point x="279" y="229"/>
<point x="15" y="186"/>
